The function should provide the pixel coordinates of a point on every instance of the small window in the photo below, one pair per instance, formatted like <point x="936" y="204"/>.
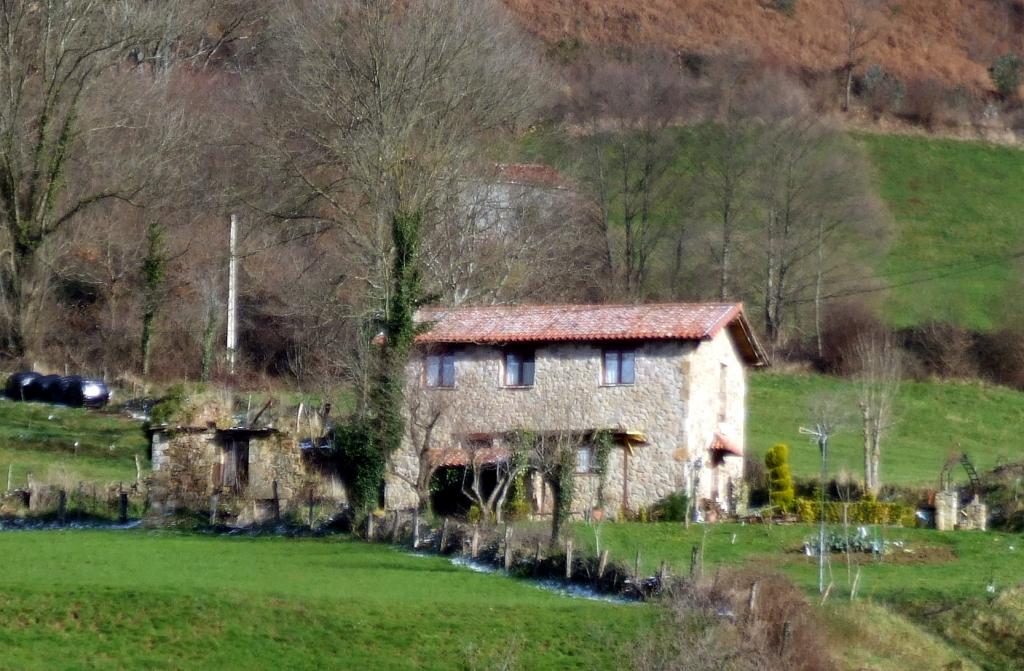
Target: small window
<point x="619" y="366"/>
<point x="440" y="369"/>
<point x="585" y="460"/>
<point x="520" y="367"/>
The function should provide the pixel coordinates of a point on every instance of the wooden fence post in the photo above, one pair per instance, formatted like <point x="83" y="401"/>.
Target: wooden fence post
<point x="474" y="547"/>
<point x="122" y="508"/>
<point x="787" y="633"/>
<point x="395" y="527"/>
<point x="442" y="543"/>
<point x="662" y="574"/>
<point x="369" y="528"/>
<point x="276" y="504"/>
<point x="636" y="566"/>
<point x="536" y="560"/>
<point x="602" y="564"/>
<point x="693" y="562"/>
<point x="752" y="600"/>
<point x="508" y="547"/>
<point x="416" y="528"/>
<point x="568" y="559"/>
<point x="214" y="504"/>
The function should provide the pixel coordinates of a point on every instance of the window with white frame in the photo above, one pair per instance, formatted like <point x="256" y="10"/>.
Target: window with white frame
<point x="440" y="369"/>
<point x="619" y="366"/>
<point x="585" y="461"/>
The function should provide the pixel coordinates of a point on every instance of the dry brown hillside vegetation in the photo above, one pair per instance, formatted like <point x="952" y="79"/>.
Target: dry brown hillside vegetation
<point x="953" y="41"/>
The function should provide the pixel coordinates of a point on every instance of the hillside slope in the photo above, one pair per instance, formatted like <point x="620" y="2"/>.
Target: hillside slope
<point x="951" y="40"/>
<point x="931" y="420"/>
<point x="958" y="236"/>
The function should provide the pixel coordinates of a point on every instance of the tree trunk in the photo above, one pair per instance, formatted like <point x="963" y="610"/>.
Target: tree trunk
<point x="849" y="88"/>
<point x="209" y="340"/>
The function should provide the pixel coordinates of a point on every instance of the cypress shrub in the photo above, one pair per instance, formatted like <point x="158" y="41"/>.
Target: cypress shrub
<point x="780" y="478"/>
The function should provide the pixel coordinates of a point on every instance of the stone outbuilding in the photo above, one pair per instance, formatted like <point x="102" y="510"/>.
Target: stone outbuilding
<point x="245" y="462"/>
<point x="666" y="384"/>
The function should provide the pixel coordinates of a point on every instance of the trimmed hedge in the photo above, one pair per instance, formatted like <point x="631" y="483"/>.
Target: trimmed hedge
<point x="865" y="511"/>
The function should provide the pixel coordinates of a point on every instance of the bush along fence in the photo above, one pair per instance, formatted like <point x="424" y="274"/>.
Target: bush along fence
<point x="865" y="511"/>
<point x="524" y="552"/>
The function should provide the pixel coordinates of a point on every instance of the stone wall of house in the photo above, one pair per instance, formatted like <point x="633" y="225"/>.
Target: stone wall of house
<point x="717" y="412"/>
<point x="673" y="402"/>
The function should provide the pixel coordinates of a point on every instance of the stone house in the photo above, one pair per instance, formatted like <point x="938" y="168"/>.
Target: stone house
<point x="666" y="382"/>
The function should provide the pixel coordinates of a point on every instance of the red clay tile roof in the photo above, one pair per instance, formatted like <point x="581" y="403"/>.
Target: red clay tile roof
<point x="502" y="324"/>
<point x="534" y="323"/>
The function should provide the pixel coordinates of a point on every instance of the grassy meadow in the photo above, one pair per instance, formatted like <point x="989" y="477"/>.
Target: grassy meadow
<point x="932" y="419"/>
<point x="161" y="600"/>
<point x="959" y="211"/>
<point x="116" y="600"/>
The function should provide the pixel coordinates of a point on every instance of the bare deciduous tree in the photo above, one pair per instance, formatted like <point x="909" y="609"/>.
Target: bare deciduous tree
<point x="505" y="464"/>
<point x="860" y="27"/>
<point x="55" y="60"/>
<point x="375" y="110"/>
<point x="628" y="109"/>
<point x="879" y="371"/>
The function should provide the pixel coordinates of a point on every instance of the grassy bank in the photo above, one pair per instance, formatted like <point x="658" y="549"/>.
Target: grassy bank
<point x="57" y="443"/>
<point x="932" y="419"/>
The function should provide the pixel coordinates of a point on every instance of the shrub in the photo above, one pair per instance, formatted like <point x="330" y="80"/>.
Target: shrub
<point x="1006" y="74"/>
<point x="361" y="464"/>
<point x="672" y="508"/>
<point x="882" y="91"/>
<point x="709" y="626"/>
<point x="755" y="476"/>
<point x="787" y="7"/>
<point x="943" y="349"/>
<point x="780" y="478"/>
<point x="924" y="102"/>
<point x="170" y="407"/>
<point x="865" y="511"/>
<point x="1001" y="356"/>
<point x="843" y="325"/>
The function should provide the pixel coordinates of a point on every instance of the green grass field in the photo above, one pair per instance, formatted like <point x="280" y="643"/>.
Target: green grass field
<point x="933" y="567"/>
<point x="117" y="600"/>
<point x="160" y="600"/>
<point x="40" y="439"/>
<point x="958" y="209"/>
<point x="931" y="419"/>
